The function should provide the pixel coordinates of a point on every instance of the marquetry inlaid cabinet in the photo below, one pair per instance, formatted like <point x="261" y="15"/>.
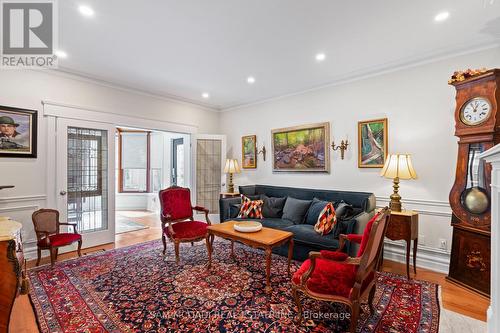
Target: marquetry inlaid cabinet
<point x="12" y="279"/>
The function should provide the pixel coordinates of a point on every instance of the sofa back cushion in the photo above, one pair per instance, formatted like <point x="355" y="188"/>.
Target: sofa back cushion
<point x="363" y="200"/>
<point x="314" y="210"/>
<point x="295" y="210"/>
<point x="273" y="207"/>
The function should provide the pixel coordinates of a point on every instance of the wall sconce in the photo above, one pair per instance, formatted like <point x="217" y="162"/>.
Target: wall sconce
<point x="343" y="147"/>
<point x="263" y="152"/>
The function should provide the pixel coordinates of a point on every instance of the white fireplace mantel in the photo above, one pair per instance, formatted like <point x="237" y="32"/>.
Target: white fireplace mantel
<point x="493" y="156"/>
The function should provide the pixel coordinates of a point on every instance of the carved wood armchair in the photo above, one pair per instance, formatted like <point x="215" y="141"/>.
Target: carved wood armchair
<point x="177" y="219"/>
<point x="49" y="237"/>
<point x="335" y="277"/>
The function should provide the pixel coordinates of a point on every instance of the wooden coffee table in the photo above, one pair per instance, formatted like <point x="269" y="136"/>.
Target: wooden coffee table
<point x="266" y="239"/>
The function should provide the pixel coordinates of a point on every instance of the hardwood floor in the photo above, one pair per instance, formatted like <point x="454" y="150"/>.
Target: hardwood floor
<point x="454" y="298"/>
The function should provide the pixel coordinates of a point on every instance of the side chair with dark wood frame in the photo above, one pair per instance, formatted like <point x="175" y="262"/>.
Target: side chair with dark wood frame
<point x="333" y="276"/>
<point x="49" y="236"/>
<point x="177" y="221"/>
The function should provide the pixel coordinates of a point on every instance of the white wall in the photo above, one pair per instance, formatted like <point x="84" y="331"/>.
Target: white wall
<point x="419" y="105"/>
<point x="27" y="89"/>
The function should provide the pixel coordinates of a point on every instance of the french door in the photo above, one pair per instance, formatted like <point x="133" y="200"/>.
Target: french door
<point x="210" y="181"/>
<point x="85" y="178"/>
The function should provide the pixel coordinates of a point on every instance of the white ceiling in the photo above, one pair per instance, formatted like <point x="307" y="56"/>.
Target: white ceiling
<point x="181" y="48"/>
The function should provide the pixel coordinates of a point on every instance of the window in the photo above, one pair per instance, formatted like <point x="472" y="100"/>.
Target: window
<point x="136" y="174"/>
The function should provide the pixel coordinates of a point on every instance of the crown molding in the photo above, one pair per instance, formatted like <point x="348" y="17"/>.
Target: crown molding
<point x="82" y="77"/>
<point x="370" y="72"/>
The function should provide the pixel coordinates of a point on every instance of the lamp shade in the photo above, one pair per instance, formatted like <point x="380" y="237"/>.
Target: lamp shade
<point x="398" y="166"/>
<point x="232" y="166"/>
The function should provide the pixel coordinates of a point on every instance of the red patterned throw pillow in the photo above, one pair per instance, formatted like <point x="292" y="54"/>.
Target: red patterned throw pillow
<point x="250" y="209"/>
<point x="326" y="220"/>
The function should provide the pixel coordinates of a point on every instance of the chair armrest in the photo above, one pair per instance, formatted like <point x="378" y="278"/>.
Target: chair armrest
<point x="201" y="209"/>
<point x="204" y="210"/>
<point x="351" y="238"/>
<point x="74" y="225"/>
<point x="42" y="234"/>
<point x="165" y="217"/>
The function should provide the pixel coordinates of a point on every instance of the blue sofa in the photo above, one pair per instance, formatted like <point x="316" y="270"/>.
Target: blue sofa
<point x="305" y="238"/>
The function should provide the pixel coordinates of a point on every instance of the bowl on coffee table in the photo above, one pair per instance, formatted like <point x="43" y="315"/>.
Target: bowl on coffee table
<point x="248" y="226"/>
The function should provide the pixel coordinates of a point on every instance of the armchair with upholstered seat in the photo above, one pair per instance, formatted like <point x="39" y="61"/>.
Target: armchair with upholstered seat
<point x="177" y="219"/>
<point x="49" y="236"/>
<point x="335" y="277"/>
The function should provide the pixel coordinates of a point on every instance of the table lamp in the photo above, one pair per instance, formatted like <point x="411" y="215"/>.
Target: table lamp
<point x="396" y="167"/>
<point x="230" y="168"/>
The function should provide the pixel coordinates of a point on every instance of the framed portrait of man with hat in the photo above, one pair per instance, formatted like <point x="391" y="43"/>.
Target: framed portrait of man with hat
<point x="18" y="132"/>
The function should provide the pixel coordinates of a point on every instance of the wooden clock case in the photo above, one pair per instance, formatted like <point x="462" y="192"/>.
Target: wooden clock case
<point x="470" y="253"/>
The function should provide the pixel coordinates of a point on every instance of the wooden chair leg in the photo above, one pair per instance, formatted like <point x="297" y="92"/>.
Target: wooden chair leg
<point x="79" y="249"/>
<point x="164" y="240"/>
<point x="192" y="243"/>
<point x="39" y="256"/>
<point x="296" y="297"/>
<point x="209" y="250"/>
<point x="371" y="295"/>
<point x="354" y="316"/>
<point x="176" y="252"/>
<point x="53" y="257"/>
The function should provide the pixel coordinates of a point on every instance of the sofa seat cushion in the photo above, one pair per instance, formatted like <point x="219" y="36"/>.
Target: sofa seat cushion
<point x="62" y="239"/>
<point x="280" y="224"/>
<point x="305" y="234"/>
<point x="187" y="230"/>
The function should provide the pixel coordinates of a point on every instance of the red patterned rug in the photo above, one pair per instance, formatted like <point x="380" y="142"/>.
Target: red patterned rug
<point x="136" y="289"/>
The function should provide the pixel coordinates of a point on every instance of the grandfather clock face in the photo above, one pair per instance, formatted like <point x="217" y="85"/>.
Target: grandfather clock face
<point x="476" y="111"/>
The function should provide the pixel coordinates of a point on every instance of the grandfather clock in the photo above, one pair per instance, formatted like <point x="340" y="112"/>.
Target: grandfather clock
<point x="477" y="128"/>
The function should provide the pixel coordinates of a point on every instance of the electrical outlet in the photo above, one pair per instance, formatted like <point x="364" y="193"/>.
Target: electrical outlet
<point x="442" y="244"/>
<point x="421" y="239"/>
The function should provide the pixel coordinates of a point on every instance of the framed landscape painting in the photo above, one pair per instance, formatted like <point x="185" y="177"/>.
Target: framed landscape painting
<point x="372" y="143"/>
<point x="301" y="148"/>
<point x="249" y="152"/>
<point x="18" y="132"/>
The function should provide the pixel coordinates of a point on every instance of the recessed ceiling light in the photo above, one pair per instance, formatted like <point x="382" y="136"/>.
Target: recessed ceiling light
<point x="442" y="17"/>
<point x="251" y="80"/>
<point x="86" y="11"/>
<point x="61" y="54"/>
<point x="320" y="57"/>
<point x="205" y="95"/>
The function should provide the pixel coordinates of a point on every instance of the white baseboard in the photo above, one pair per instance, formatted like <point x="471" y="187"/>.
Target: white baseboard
<point x="429" y="258"/>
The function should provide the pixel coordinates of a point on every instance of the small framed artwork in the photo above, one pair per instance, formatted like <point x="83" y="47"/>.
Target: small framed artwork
<point x="372" y="143"/>
<point x="249" y="152"/>
<point x="18" y="132"/>
<point x="302" y="148"/>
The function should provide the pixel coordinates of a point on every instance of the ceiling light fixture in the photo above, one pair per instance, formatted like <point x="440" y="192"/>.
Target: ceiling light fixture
<point x="251" y="80"/>
<point x="86" y="11"/>
<point x="61" y="54"/>
<point x="320" y="57"/>
<point x="205" y="95"/>
<point x="442" y="17"/>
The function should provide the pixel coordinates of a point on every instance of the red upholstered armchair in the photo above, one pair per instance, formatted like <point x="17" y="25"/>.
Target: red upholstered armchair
<point x="177" y="220"/>
<point x="49" y="237"/>
<point x="335" y="277"/>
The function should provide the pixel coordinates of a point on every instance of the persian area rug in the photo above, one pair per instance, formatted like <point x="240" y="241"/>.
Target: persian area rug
<point x="136" y="289"/>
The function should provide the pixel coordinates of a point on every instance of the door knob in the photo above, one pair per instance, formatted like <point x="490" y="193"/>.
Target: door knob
<point x="62" y="192"/>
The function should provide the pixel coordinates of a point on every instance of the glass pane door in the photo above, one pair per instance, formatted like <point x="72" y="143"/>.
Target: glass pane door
<point x="87" y="178"/>
<point x="208" y="173"/>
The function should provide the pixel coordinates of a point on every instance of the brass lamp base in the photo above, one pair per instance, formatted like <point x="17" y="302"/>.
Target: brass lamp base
<point x="230" y="185"/>
<point x="395" y="204"/>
